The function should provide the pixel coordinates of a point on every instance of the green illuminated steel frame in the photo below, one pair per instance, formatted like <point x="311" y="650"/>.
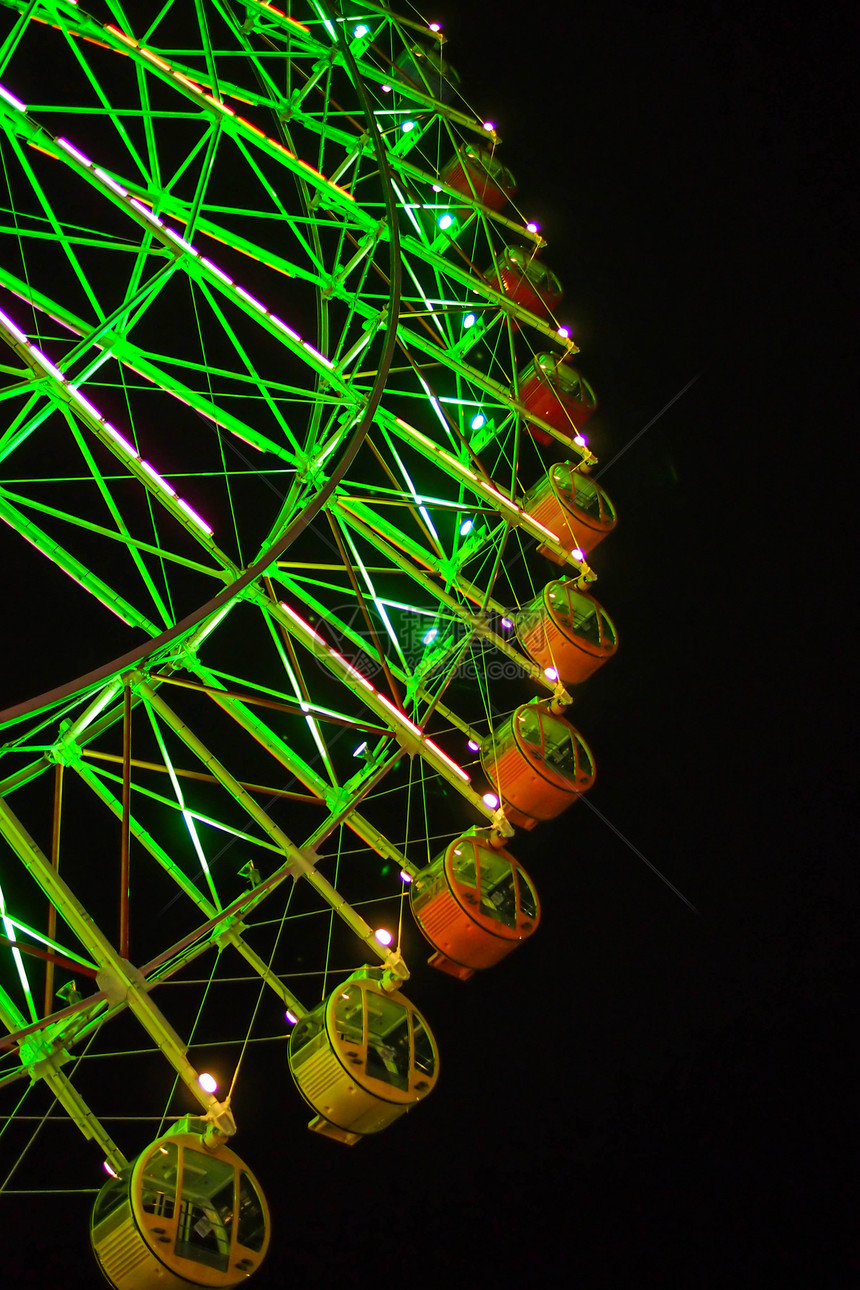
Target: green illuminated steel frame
<point x="262" y="461"/>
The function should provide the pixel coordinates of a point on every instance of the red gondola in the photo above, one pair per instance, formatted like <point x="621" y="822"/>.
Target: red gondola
<point x="429" y="72"/>
<point x="474" y="904"/>
<point x="526" y="281"/>
<point x="538" y="764"/>
<point x="567" y="630"/>
<point x="480" y="176"/>
<point x="556" y="393"/>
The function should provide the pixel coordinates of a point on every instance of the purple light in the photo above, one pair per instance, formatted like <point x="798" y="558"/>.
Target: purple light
<point x="507" y="624"/>
<point x="475" y="747"/>
<point x="490" y="799"/>
<point x="532" y="228"/>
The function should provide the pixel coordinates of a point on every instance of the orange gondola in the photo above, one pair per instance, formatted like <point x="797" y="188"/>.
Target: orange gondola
<point x="538" y="764"/>
<point x="566" y="630"/>
<point x="185" y="1213"/>
<point x="573" y="507"/>
<point x="362" y="1058"/>
<point x="475" y="904"/>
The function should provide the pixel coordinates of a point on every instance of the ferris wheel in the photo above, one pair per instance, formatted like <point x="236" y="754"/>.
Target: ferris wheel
<point x="293" y="459"/>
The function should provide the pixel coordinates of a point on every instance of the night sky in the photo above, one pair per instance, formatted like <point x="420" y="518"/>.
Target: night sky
<point x="645" y="1095"/>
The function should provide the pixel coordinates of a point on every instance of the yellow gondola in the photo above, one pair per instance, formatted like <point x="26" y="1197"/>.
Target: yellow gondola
<point x="362" y="1058"/>
<point x="183" y="1214"/>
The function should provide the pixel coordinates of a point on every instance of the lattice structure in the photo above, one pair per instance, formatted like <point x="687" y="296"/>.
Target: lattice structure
<point x="267" y="302"/>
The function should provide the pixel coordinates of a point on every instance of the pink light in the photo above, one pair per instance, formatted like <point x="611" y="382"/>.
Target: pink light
<point x="564" y="332"/>
<point x="507" y="624"/>
<point x="580" y="439"/>
<point x="435" y="26"/>
<point x="550" y="673"/>
<point x="111" y="183"/>
<point x="306" y="626"/>
<point x="577" y="554"/>
<point x="474" y="745"/>
<point x="145" y="211"/>
<point x="7" y="322"/>
<point x="195" y="519"/>
<point x="458" y="770"/>
<point x="532" y="228"/>
<point x="47" y="365"/>
<point x="74" y="152"/>
<point x="282" y="326"/>
<point x="354" y="673"/>
<point x="157" y="479"/>
<point x="120" y="440"/>
<point x="252" y="300"/>
<point x="180" y="241"/>
<point x="401" y="716"/>
<point x="488" y="125"/>
<point x="86" y="405"/>
<point x="543" y="528"/>
<point x="490" y="799"/>
<point x="219" y="273"/>
<point x="10" y="98"/>
<point x="317" y="355"/>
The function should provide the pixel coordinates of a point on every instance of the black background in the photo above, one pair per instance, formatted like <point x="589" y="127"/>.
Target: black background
<point x="645" y="1095"/>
